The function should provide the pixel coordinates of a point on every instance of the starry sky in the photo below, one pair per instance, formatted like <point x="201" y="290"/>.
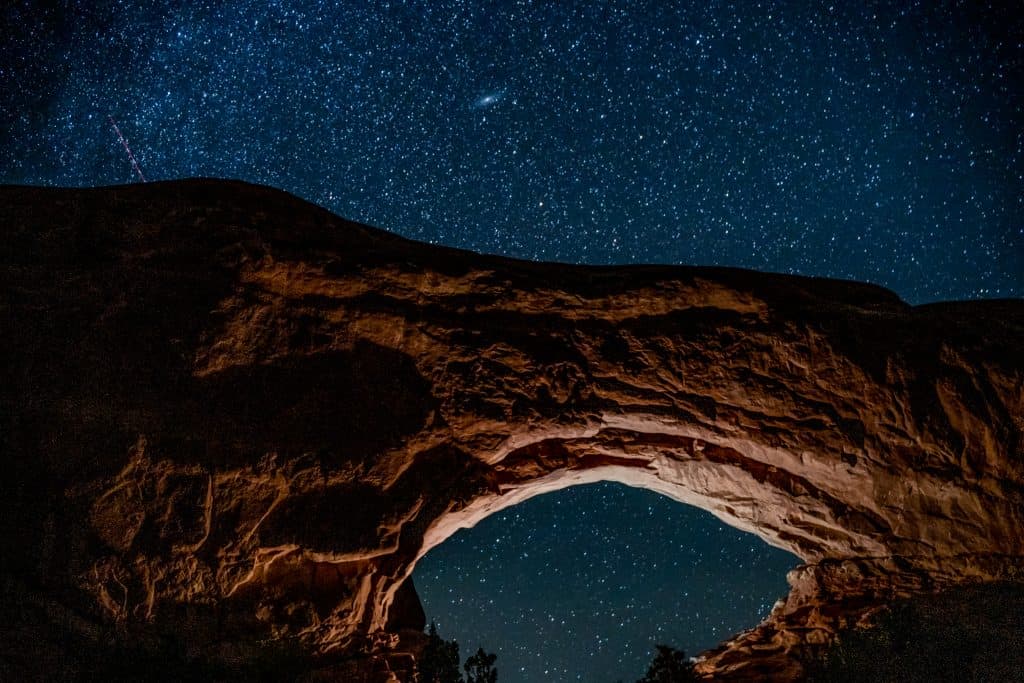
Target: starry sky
<point x="879" y="141"/>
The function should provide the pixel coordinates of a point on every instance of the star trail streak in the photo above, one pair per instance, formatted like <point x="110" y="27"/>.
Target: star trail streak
<point x="127" y="149"/>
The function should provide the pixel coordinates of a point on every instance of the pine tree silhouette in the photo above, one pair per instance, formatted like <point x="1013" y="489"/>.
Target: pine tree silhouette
<point x="439" y="662"/>
<point x="669" y="666"/>
<point x="480" y="668"/>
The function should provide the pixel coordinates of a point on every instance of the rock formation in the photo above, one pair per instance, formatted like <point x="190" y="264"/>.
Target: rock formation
<point x="229" y="418"/>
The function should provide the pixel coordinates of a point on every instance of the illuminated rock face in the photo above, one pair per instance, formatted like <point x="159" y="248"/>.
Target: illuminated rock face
<point x="232" y="416"/>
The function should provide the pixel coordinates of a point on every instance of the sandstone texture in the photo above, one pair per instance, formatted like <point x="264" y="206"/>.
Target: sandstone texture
<point x="231" y="420"/>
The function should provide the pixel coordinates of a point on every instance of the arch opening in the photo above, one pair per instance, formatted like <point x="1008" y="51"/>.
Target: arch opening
<point x="581" y="581"/>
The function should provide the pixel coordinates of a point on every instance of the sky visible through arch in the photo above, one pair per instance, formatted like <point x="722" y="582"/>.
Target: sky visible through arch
<point x="878" y="141"/>
<point x="580" y="584"/>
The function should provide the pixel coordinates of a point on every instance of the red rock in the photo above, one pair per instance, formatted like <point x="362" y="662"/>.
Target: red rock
<point x="230" y="416"/>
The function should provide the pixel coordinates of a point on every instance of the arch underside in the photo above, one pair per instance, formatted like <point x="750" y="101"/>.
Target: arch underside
<point x="783" y="509"/>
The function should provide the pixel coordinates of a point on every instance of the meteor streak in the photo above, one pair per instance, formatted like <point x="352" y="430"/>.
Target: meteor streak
<point x="124" y="143"/>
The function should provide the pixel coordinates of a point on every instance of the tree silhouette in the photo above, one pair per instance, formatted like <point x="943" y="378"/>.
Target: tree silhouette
<point x="439" y="662"/>
<point x="480" y="668"/>
<point x="669" y="666"/>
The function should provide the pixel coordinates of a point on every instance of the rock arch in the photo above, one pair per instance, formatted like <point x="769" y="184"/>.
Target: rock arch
<point x="241" y="409"/>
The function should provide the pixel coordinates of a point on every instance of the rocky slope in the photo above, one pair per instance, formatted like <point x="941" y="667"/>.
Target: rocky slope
<point x="234" y="421"/>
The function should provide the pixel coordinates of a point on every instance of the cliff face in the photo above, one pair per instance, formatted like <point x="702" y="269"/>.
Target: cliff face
<point x="233" y="417"/>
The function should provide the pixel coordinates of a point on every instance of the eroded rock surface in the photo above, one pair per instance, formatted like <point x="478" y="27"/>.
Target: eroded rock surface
<point x="230" y="418"/>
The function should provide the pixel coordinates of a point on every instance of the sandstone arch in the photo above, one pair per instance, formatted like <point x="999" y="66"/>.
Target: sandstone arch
<point x="235" y="415"/>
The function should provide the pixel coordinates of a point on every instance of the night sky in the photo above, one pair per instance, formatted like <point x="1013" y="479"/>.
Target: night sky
<point x="874" y="141"/>
<point x="580" y="584"/>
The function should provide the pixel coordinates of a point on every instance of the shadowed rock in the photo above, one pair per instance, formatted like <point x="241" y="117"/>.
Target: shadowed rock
<point x="229" y="418"/>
